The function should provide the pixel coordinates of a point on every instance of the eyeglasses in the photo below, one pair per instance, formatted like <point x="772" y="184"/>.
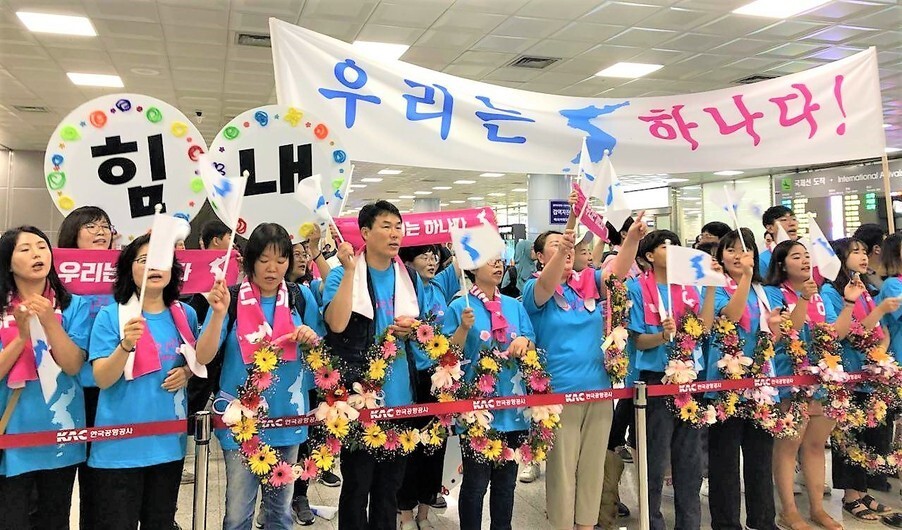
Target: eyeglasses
<point x="95" y="228"/>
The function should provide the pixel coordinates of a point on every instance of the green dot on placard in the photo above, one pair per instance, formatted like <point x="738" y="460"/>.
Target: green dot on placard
<point x="56" y="180"/>
<point x="70" y="133"/>
<point x="154" y="115"/>
<point x="197" y="185"/>
<point x="231" y="132"/>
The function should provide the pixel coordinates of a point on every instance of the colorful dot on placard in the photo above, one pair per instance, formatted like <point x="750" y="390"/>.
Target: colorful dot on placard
<point x="191" y="204"/>
<point x="231" y="132"/>
<point x="62" y="146"/>
<point x="308" y="124"/>
<point x="246" y="124"/>
<point x="82" y="124"/>
<point x="194" y="152"/>
<point x="59" y="194"/>
<point x="124" y="105"/>
<point x="339" y="156"/>
<point x="189" y="140"/>
<point x="197" y="185"/>
<point x="56" y="160"/>
<point x="66" y="202"/>
<point x="154" y="115"/>
<point x="98" y="118"/>
<point x="341" y="170"/>
<point x="262" y="118"/>
<point x="178" y="129"/>
<point x="112" y="111"/>
<point x="321" y="131"/>
<point x="242" y="226"/>
<point x="294" y="116"/>
<point x="222" y="149"/>
<point x="332" y="143"/>
<point x="70" y="133"/>
<point x="139" y="108"/>
<point x="56" y="180"/>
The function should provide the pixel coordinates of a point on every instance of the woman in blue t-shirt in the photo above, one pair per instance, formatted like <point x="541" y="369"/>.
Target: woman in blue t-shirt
<point x="140" y="354"/>
<point x="44" y="335"/>
<point x="488" y="319"/>
<point x="891" y="256"/>
<point x="263" y="304"/>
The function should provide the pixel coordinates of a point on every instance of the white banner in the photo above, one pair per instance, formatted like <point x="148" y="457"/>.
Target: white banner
<point x="398" y="113"/>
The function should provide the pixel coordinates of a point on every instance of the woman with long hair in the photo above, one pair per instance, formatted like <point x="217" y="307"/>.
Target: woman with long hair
<point x="44" y="335"/>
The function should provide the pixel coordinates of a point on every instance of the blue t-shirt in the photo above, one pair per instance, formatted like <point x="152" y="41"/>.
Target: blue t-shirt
<point x="288" y="394"/>
<point x="66" y="409"/>
<point x="509" y="382"/>
<point x="142" y="399"/>
<point x="94" y="302"/>
<point x="398" y="388"/>
<point x="315" y="285"/>
<point x="655" y="359"/>
<point x="437" y="294"/>
<point x="571" y="339"/>
<point x="892" y="287"/>
<point x="764" y="261"/>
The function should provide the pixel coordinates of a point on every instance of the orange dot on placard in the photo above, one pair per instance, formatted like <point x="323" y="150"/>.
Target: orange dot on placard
<point x="66" y="202"/>
<point x="97" y="118"/>
<point x="321" y="131"/>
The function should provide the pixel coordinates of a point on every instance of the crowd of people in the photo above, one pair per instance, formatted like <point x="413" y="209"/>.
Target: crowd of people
<point x="557" y="297"/>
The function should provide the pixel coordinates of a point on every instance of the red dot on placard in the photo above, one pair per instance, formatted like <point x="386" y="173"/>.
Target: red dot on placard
<point x="247" y="124"/>
<point x="139" y="108"/>
<point x="191" y="204"/>
<point x="112" y="111"/>
<point x="56" y="168"/>
<point x="189" y="139"/>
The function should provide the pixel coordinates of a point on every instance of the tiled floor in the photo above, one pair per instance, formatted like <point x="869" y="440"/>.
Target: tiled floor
<point x="529" y="507"/>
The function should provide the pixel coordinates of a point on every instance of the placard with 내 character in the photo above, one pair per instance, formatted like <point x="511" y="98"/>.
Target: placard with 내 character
<point x="125" y="153"/>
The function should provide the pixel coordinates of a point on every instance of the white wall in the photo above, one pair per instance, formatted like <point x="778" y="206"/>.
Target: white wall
<point x="23" y="194"/>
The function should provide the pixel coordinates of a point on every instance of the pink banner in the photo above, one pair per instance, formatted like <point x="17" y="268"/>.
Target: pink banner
<point x="591" y="219"/>
<point x="94" y="271"/>
<point x="426" y="228"/>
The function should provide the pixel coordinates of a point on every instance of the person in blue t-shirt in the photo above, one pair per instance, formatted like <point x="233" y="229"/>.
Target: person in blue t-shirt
<point x="566" y="309"/>
<point x="263" y="301"/>
<point x="773" y="219"/>
<point x="486" y="319"/>
<point x="45" y="382"/>
<point x="423" y="478"/>
<point x="651" y="325"/>
<point x="791" y="273"/>
<point x="363" y="297"/>
<point x="849" y="291"/>
<point x="140" y="477"/>
<point x="88" y="228"/>
<point x="891" y="256"/>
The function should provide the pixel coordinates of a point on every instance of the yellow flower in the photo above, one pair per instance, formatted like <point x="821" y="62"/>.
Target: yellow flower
<point x="832" y="361"/>
<point x="265" y="359"/>
<point x="262" y="461"/>
<point x="437" y="347"/>
<point x="487" y="363"/>
<point x="730" y="405"/>
<point x="694" y="327"/>
<point x="475" y="431"/>
<point x="409" y="440"/>
<point x="245" y="429"/>
<point x="377" y="369"/>
<point x="689" y="410"/>
<point x="374" y="436"/>
<point x="531" y="359"/>
<point x="768" y="352"/>
<point x="879" y="355"/>
<point x="323" y="458"/>
<point x="315" y="359"/>
<point x="538" y="455"/>
<point x="492" y="450"/>
<point x="445" y="397"/>
<point x="338" y="426"/>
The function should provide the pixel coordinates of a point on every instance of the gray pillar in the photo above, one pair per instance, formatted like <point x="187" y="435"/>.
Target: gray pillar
<point x="427" y="204"/>
<point x="541" y="189"/>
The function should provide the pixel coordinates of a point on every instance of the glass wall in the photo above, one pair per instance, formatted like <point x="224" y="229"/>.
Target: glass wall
<point x="696" y="205"/>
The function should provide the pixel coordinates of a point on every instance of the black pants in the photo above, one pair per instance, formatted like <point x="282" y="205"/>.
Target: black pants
<point x="423" y="477"/>
<point x="851" y="476"/>
<point x="49" y="510"/>
<point x="147" y="495"/>
<point x="86" y="489"/>
<point x="301" y="486"/>
<point x="726" y="440"/>
<point x="366" y="479"/>
<point x="624" y="418"/>
<point x="670" y="439"/>
<point x="477" y="477"/>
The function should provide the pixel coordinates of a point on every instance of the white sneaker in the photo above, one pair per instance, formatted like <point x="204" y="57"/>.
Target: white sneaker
<point x="530" y="473"/>
<point x="704" y="489"/>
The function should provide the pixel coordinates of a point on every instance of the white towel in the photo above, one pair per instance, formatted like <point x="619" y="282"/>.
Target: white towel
<point x="406" y="303"/>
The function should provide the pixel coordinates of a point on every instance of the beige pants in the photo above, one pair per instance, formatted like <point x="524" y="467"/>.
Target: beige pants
<point x="575" y="470"/>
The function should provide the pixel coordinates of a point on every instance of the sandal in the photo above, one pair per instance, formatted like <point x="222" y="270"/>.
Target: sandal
<point x="892" y="521"/>
<point x="872" y="504"/>
<point x="858" y="510"/>
<point x="794" y="522"/>
<point x="823" y="520"/>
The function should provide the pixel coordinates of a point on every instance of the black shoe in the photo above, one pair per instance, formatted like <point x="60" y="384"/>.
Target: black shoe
<point x="329" y="479"/>
<point x="622" y="510"/>
<point x="893" y="520"/>
<point x="303" y="515"/>
<point x="438" y="502"/>
<point x="879" y="484"/>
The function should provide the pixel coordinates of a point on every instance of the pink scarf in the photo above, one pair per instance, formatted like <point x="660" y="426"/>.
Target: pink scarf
<point x="147" y="352"/>
<point x="252" y="325"/>
<point x="677" y="293"/>
<point x="864" y="306"/>
<point x="583" y="283"/>
<point x="499" y="323"/>
<point x="26" y="368"/>
<point x="817" y="313"/>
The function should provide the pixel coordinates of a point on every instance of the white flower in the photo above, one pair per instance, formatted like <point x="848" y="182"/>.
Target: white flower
<point x="734" y="364"/>
<point x="329" y="413"/>
<point x="482" y="417"/>
<point x="542" y="412"/>
<point x="370" y="399"/>
<point x="446" y="376"/>
<point x="679" y="372"/>
<point x="763" y="394"/>
<point x="234" y="411"/>
<point x="710" y="417"/>
<point x="617" y="337"/>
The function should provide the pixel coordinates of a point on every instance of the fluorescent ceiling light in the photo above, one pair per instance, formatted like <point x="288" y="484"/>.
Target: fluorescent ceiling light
<point x="371" y="179"/>
<point x="422" y="193"/>
<point x="778" y="8"/>
<point x="465" y="182"/>
<point x="889" y="150"/>
<point x="383" y="50"/>
<point x="457" y="202"/>
<point x="491" y="175"/>
<point x="58" y="24"/>
<point x="441" y="188"/>
<point x="407" y="196"/>
<point x="629" y="70"/>
<point x="886" y="126"/>
<point x="475" y="198"/>
<point x="675" y="180"/>
<point x="390" y="172"/>
<point x="728" y="173"/>
<point x="104" y="80"/>
<point x="497" y="194"/>
<point x="358" y="185"/>
<point x="443" y="204"/>
<point x="519" y="190"/>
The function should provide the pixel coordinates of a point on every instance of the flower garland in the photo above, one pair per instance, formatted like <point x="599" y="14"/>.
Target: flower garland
<point x="245" y="415"/>
<point x="681" y="370"/>
<point x="483" y="442"/>
<point x="733" y="364"/>
<point x="864" y="456"/>
<point x="763" y="409"/>
<point x="616" y="361"/>
<point x="822" y="358"/>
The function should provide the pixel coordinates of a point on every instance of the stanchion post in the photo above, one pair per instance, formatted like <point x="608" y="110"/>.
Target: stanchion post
<point x="202" y="427"/>
<point x="640" y="404"/>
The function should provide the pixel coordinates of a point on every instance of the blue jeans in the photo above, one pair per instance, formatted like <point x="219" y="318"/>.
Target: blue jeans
<point x="241" y="494"/>
<point x="478" y="476"/>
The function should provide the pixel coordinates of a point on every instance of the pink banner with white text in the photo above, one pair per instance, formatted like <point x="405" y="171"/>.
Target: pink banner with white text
<point x="427" y="228"/>
<point x="94" y="271"/>
<point x="591" y="219"/>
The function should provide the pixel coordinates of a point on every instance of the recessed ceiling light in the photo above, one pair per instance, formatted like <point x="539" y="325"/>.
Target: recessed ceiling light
<point x="383" y="50"/>
<point x="497" y="194"/>
<point x="145" y="71"/>
<point x="59" y="24"/>
<point x="729" y="173"/>
<point x="422" y="193"/>
<point x="443" y="204"/>
<point x="475" y="198"/>
<point x="407" y="196"/>
<point x="519" y="190"/>
<point x="358" y="185"/>
<point x="390" y="172"/>
<point x="457" y="202"/>
<point x="441" y="188"/>
<point x="104" y="80"/>
<point x="371" y="179"/>
<point x="465" y="182"/>
<point x="629" y="70"/>
<point x="491" y="175"/>
<point x="777" y="8"/>
<point x="889" y="150"/>
<point x="675" y="180"/>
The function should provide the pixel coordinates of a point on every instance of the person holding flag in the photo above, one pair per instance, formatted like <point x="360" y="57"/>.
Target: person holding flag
<point x="44" y="335"/>
<point x="568" y="317"/>
<point x="652" y="326"/>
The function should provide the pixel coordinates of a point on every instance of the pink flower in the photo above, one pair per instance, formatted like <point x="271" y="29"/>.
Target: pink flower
<point x="263" y="380"/>
<point x="446" y="419"/>
<point x="546" y="434"/>
<point x="507" y="453"/>
<point x="526" y="453"/>
<point x="681" y="399"/>
<point x="310" y="470"/>
<point x="333" y="444"/>
<point x="326" y="378"/>
<point x="425" y="333"/>
<point x="484" y="335"/>
<point x="479" y="443"/>
<point x="251" y="446"/>
<point x="391" y="440"/>
<point x="389" y="349"/>
<point x="538" y="382"/>
<point x="281" y="475"/>
<point x="486" y="383"/>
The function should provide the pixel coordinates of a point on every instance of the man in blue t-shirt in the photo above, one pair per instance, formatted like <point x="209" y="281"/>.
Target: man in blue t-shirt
<point x="773" y="219"/>
<point x="362" y="298"/>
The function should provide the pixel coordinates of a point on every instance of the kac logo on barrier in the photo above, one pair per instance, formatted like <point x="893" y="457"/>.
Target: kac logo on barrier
<point x="483" y="404"/>
<point x="72" y="435"/>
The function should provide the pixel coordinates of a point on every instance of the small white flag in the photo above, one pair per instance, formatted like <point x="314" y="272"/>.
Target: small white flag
<point x="687" y="266"/>
<point x="164" y="234"/>
<point x="607" y="187"/>
<point x="729" y="201"/>
<point x="314" y="206"/>
<point x="587" y="169"/>
<point x="781" y="234"/>
<point x="475" y="246"/>
<point x="224" y="193"/>
<point x="822" y="255"/>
